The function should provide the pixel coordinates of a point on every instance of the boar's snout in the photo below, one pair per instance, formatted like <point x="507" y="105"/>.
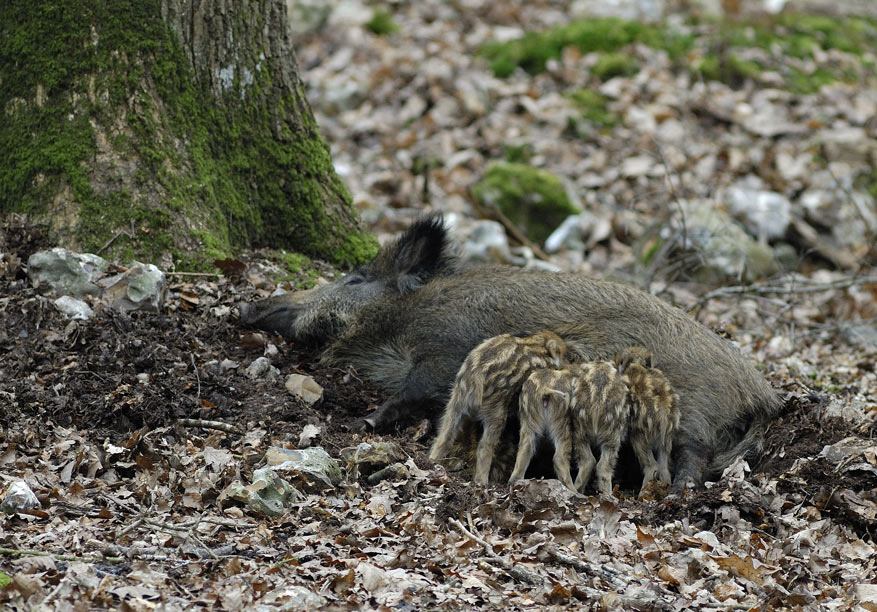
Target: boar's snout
<point x="275" y="314"/>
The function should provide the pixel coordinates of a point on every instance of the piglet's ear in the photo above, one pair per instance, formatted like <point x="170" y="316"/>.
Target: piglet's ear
<point x="421" y="253"/>
<point x="623" y="361"/>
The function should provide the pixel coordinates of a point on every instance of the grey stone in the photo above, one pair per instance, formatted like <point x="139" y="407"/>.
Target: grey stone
<point x="66" y="272"/>
<point x="18" y="497"/>
<point x="306" y="16"/>
<point x="861" y="334"/>
<point x="140" y="287"/>
<point x="848" y="144"/>
<point x="485" y="241"/>
<point x="228" y="364"/>
<point x="725" y="250"/>
<point x="638" y="10"/>
<point x="261" y="368"/>
<point x="766" y="214"/>
<point x="579" y="232"/>
<point x="568" y="235"/>
<point x="369" y="457"/>
<point x="311" y="468"/>
<point x="73" y="308"/>
<point x="268" y="494"/>
<point x="850" y="216"/>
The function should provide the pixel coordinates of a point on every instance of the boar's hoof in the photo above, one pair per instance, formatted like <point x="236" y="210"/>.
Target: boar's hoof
<point x="681" y="486"/>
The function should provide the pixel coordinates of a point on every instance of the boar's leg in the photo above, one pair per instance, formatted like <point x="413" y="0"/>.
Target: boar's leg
<point x="606" y="466"/>
<point x="663" y="453"/>
<point x="460" y="405"/>
<point x="494" y="418"/>
<point x="691" y="462"/>
<point x="562" y="450"/>
<point x="586" y="460"/>
<point x="642" y="448"/>
<point x="526" y="450"/>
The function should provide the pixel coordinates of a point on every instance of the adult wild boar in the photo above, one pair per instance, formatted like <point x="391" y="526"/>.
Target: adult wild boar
<point x="407" y="320"/>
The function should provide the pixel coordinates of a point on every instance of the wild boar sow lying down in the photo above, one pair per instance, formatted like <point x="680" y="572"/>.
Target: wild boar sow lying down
<point x="407" y="320"/>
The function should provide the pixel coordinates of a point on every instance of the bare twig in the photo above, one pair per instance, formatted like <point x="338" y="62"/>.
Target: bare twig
<point x="132" y="526"/>
<point x="515" y="232"/>
<point x="205" y="424"/>
<point x="214" y="274"/>
<point x="867" y="219"/>
<point x="518" y="573"/>
<point x="606" y="573"/>
<point x="48" y="598"/>
<point x="24" y="552"/>
<point x="112" y="240"/>
<point x="172" y="529"/>
<point x="194" y="536"/>
<point x="197" y="377"/>
<point x="787" y="289"/>
<point x="674" y="194"/>
<point x="612" y="600"/>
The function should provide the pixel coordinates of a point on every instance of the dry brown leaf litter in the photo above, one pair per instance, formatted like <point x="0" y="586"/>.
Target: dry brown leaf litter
<point x="129" y="473"/>
<point x="109" y="421"/>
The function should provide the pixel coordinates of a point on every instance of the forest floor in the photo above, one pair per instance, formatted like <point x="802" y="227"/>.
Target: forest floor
<point x="132" y="513"/>
<point x="112" y="422"/>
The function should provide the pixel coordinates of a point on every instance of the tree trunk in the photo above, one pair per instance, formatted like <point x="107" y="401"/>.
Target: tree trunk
<point x="167" y="126"/>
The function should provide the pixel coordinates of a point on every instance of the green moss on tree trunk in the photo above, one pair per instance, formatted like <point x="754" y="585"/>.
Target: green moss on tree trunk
<point x="118" y="126"/>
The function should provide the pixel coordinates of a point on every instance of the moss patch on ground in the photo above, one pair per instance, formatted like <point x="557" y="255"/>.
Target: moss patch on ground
<point x="594" y="107"/>
<point x="533" y="50"/>
<point x="110" y="136"/>
<point x="801" y="35"/>
<point x="298" y="269"/>
<point x="533" y="199"/>
<point x="708" y="49"/>
<point x="611" y="65"/>
<point x="728" y="68"/>
<point x="382" y="23"/>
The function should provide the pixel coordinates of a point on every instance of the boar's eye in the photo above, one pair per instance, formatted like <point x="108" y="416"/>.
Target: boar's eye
<point x="354" y="280"/>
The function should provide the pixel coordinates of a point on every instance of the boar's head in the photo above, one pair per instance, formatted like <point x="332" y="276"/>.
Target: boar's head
<point x="320" y="314"/>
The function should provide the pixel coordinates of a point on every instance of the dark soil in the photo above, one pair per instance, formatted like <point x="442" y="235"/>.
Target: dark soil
<point x="117" y="374"/>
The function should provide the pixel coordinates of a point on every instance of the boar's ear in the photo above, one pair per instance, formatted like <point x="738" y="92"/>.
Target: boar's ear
<point x="422" y="252"/>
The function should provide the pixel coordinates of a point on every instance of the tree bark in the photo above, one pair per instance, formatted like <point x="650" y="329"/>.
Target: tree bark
<point x="169" y="126"/>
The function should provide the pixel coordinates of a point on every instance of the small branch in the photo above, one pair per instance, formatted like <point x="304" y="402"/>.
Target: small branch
<point x="516" y="233"/>
<point x="48" y="598"/>
<point x="803" y="287"/>
<point x="607" y="574"/>
<point x="132" y="526"/>
<point x="662" y="599"/>
<point x="23" y="552"/>
<point x="674" y="194"/>
<point x="112" y="240"/>
<point x="518" y="573"/>
<point x="197" y="378"/>
<point x="214" y="274"/>
<point x="205" y="424"/>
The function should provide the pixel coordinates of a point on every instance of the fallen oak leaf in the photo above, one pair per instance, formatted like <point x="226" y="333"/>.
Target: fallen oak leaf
<point x="742" y="567"/>
<point x="559" y="594"/>
<point x="667" y="574"/>
<point x="644" y="538"/>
